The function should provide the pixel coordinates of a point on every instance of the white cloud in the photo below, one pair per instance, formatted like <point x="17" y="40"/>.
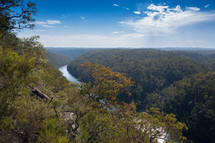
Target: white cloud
<point x="162" y="19"/>
<point x="39" y="23"/>
<point x="136" y="12"/>
<point x="48" y="23"/>
<point x="206" y="6"/>
<point x="115" y="5"/>
<point x="193" y="8"/>
<point x="157" y="8"/>
<point x="53" y="22"/>
<point x="115" y="32"/>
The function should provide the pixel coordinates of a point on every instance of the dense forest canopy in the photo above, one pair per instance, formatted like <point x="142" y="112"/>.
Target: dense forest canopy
<point x="179" y="82"/>
<point x="192" y="100"/>
<point x="150" y="69"/>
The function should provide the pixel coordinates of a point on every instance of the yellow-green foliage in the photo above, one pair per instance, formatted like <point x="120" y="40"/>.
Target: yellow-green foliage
<point x="27" y="117"/>
<point x="53" y="131"/>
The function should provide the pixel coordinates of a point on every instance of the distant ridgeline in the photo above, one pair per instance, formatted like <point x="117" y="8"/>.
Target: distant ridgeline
<point x="58" y="60"/>
<point x="175" y="81"/>
<point x="58" y="57"/>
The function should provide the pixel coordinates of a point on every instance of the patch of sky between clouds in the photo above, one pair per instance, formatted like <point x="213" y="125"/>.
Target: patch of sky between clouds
<point x="67" y="26"/>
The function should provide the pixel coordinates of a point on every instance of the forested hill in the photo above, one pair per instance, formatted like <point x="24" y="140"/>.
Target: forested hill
<point x="192" y="100"/>
<point x="176" y="81"/>
<point x="58" y="57"/>
<point x="150" y="69"/>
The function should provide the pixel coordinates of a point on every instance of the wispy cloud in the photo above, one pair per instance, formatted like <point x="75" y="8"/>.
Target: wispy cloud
<point x="206" y="6"/>
<point x="137" y="12"/>
<point x="83" y="18"/>
<point x="48" y="23"/>
<point x="115" y="5"/>
<point x="115" y="32"/>
<point x="162" y="19"/>
<point x="126" y="8"/>
<point x="53" y="22"/>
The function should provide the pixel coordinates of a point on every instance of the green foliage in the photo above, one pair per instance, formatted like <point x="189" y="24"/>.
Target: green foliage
<point x="112" y="121"/>
<point x="152" y="70"/>
<point x="104" y="84"/>
<point x="90" y="113"/>
<point x="53" y="131"/>
<point x="192" y="100"/>
<point x="24" y="117"/>
<point x="16" y="14"/>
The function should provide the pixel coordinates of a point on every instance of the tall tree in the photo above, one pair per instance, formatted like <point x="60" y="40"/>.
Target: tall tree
<point x="16" y="14"/>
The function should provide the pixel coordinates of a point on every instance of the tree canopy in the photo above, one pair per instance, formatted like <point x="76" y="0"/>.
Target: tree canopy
<point x="16" y="14"/>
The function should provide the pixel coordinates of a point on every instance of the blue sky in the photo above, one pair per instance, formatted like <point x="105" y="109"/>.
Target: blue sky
<point x="125" y="23"/>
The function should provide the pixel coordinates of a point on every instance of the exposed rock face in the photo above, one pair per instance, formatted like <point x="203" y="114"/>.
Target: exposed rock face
<point x="68" y="116"/>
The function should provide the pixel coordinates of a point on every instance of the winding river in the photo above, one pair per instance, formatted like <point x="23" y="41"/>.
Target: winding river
<point x="68" y="76"/>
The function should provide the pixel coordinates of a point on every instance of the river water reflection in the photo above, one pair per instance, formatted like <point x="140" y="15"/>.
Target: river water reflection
<point x="68" y="76"/>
